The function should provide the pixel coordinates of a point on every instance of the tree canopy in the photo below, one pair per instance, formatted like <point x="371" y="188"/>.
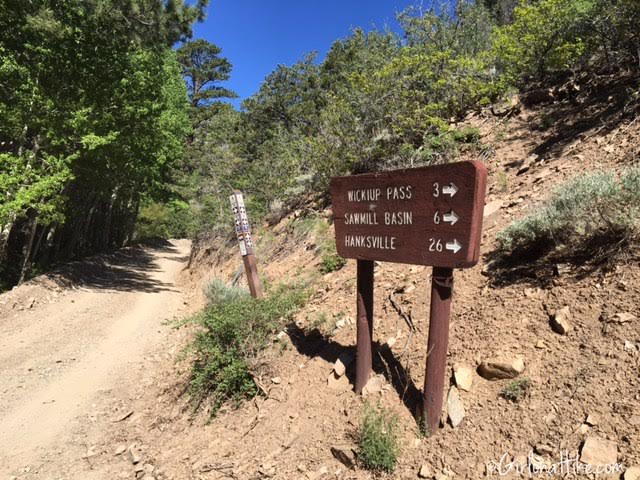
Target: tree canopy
<point x="204" y="69"/>
<point x="93" y="112"/>
<point x="383" y="100"/>
<point x="101" y="118"/>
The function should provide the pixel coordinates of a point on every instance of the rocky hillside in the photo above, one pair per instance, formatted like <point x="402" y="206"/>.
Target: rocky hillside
<point x="565" y="334"/>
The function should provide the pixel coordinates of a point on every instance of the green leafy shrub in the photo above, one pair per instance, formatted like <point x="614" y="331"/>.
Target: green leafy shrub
<point x="596" y="204"/>
<point x="516" y="390"/>
<point x="165" y="220"/>
<point x="467" y="135"/>
<point x="550" y="36"/>
<point x="378" y="439"/>
<point x="235" y="330"/>
<point x="544" y="37"/>
<point x="331" y="262"/>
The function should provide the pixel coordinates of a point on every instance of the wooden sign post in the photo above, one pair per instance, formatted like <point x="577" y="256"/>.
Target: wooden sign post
<point x="243" y="232"/>
<point x="423" y="216"/>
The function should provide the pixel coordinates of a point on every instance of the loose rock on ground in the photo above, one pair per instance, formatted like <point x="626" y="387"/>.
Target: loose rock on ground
<point x="561" y="321"/>
<point x="501" y="368"/>
<point x="598" y="451"/>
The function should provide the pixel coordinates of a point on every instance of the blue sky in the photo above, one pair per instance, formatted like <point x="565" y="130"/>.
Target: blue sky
<point x="257" y="35"/>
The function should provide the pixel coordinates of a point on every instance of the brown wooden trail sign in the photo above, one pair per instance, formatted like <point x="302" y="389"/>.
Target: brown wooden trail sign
<point x="243" y="232"/>
<point x="422" y="216"/>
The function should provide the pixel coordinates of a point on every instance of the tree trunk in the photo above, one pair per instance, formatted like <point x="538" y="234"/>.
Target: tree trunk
<point x="58" y="234"/>
<point x="51" y="245"/>
<point x="106" y="231"/>
<point x="85" y="244"/>
<point x="36" y="249"/>
<point x="4" y="239"/>
<point x="69" y="241"/>
<point x="26" y="264"/>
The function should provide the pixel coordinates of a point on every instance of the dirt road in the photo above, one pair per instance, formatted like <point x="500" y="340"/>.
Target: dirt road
<point x="71" y="357"/>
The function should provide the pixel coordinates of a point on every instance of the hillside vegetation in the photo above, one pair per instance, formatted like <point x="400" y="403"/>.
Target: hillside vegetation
<point x="98" y="132"/>
<point x="382" y="100"/>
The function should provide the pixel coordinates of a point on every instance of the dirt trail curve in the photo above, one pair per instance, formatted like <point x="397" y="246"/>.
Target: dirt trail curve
<point x="72" y="356"/>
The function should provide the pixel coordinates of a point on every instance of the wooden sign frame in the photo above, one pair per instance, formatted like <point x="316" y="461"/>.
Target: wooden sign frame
<point x="423" y="216"/>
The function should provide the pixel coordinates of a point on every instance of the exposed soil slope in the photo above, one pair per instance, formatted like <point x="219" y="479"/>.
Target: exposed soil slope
<point x="593" y="370"/>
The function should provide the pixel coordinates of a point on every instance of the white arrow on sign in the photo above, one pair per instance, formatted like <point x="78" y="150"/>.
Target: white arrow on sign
<point x="451" y="217"/>
<point x="453" y="246"/>
<point x="450" y="189"/>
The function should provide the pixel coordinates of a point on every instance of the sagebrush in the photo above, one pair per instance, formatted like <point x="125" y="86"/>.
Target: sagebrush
<point x="603" y="204"/>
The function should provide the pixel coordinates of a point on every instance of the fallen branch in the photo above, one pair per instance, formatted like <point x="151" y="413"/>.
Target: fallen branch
<point x="222" y="468"/>
<point x="405" y="316"/>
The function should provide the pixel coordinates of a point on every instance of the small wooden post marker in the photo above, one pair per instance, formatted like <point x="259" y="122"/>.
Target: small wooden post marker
<point x="422" y="216"/>
<point x="243" y="232"/>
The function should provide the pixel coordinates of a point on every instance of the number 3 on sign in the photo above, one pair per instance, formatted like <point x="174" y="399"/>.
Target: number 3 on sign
<point x="435" y="245"/>
<point x="436" y="189"/>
